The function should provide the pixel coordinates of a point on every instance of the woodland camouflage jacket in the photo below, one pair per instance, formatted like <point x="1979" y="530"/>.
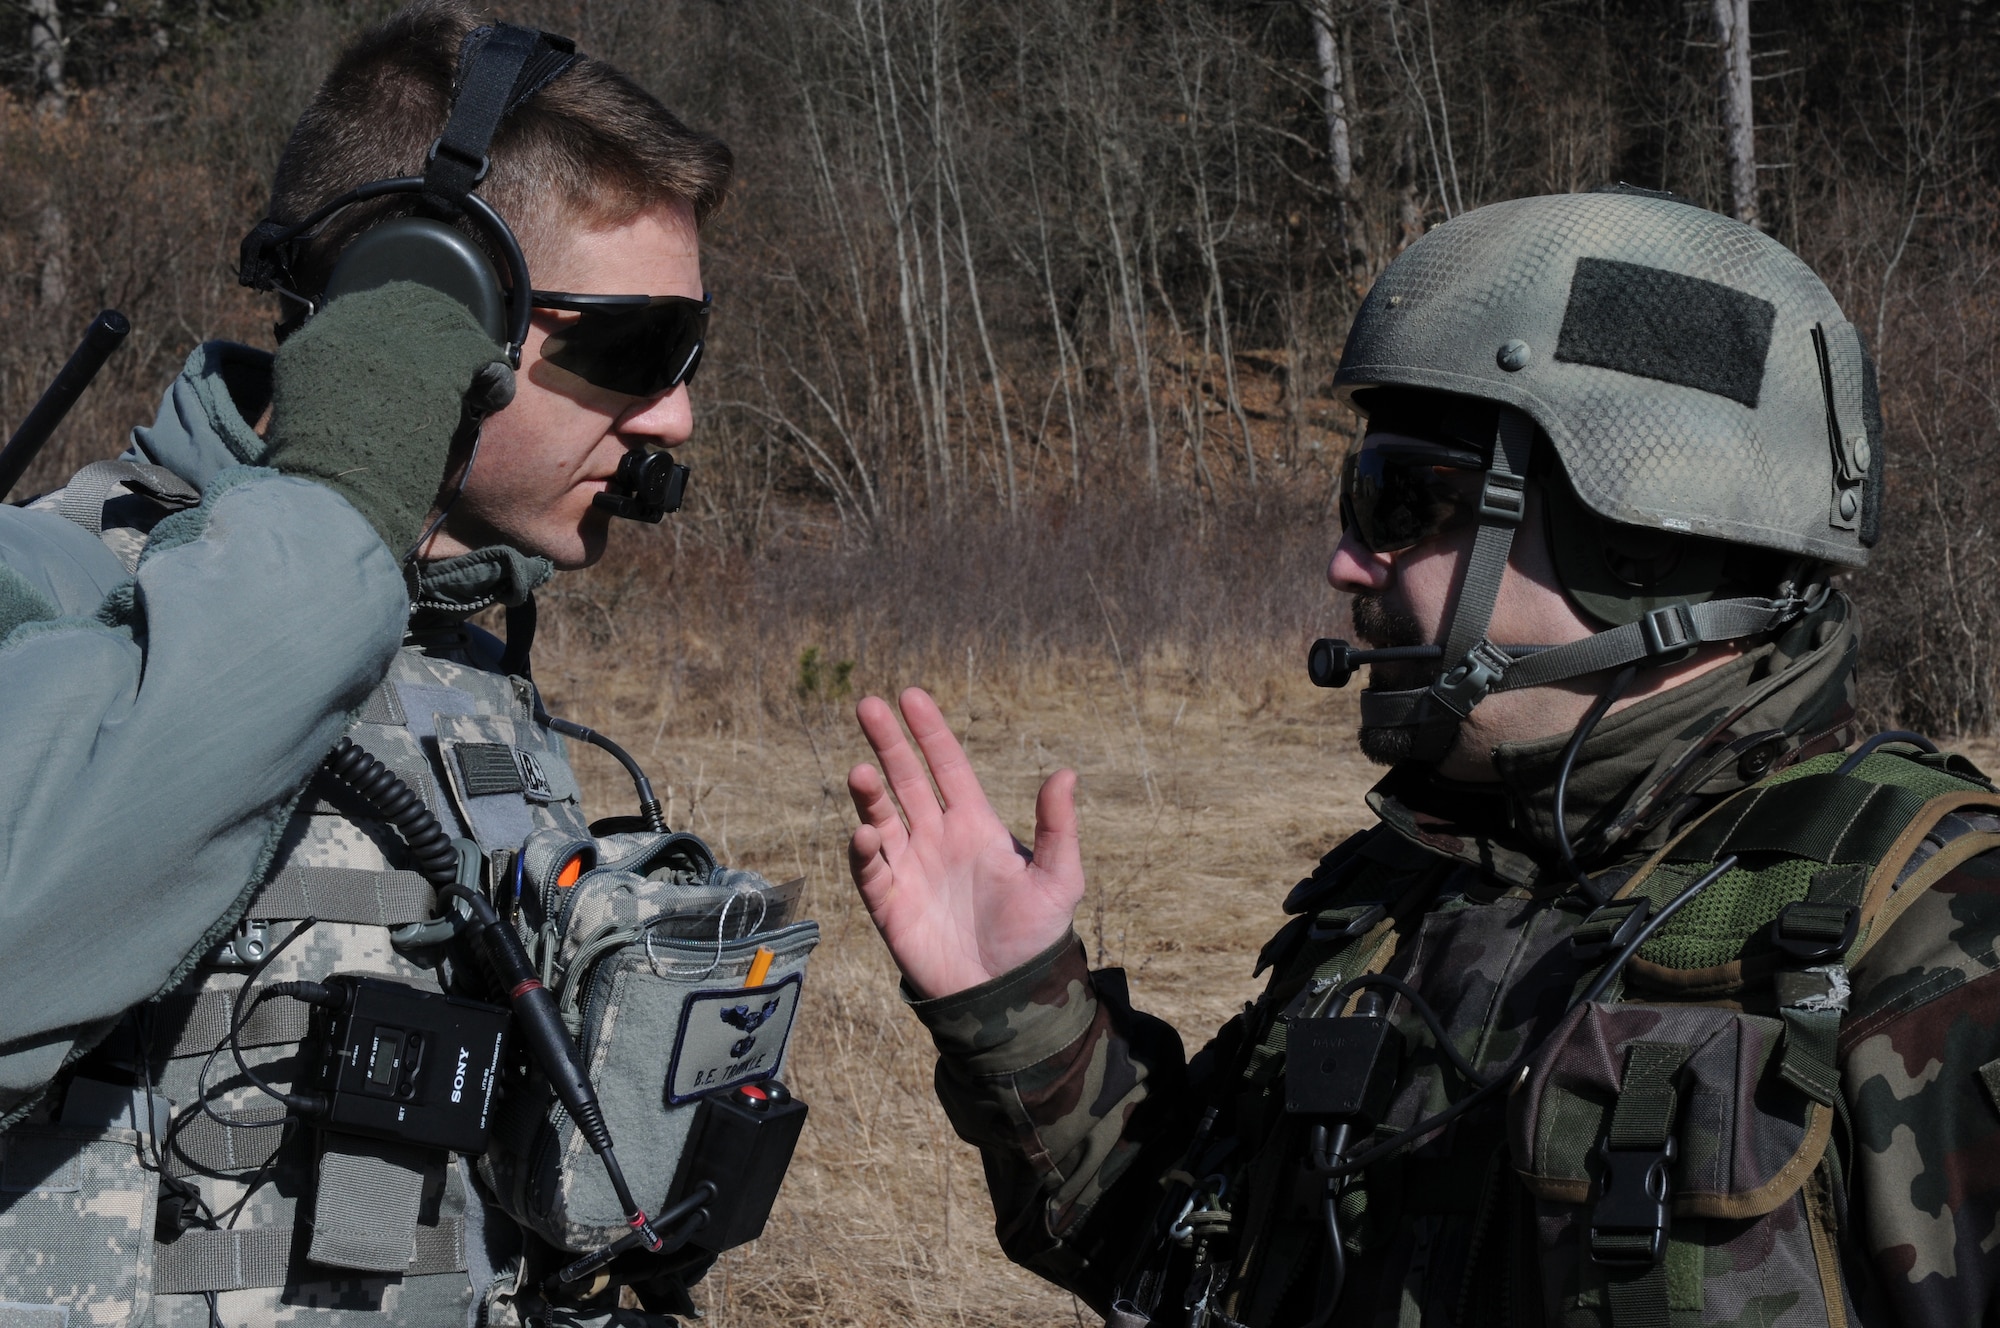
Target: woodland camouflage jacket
<point x="1801" y="1194"/>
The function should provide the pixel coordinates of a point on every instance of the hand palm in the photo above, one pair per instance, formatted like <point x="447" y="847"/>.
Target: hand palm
<point x="957" y="898"/>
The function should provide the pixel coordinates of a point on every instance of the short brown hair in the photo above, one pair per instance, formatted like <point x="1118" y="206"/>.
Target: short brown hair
<point x="592" y="141"/>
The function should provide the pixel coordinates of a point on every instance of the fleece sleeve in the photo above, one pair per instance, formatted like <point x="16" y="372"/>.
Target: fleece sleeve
<point x="154" y="746"/>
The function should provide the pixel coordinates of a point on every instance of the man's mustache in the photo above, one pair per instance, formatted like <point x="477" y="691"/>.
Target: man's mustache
<point x="1380" y="626"/>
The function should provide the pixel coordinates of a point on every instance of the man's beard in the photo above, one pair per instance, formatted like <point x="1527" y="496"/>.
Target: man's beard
<point x="1380" y="627"/>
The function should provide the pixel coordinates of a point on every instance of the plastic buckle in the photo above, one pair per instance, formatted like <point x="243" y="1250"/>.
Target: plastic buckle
<point x="1815" y="931"/>
<point x="1629" y="914"/>
<point x="480" y="165"/>
<point x="1628" y="1227"/>
<point x="243" y="948"/>
<point x="1668" y="630"/>
<point x="1503" y="498"/>
<point x="1469" y="680"/>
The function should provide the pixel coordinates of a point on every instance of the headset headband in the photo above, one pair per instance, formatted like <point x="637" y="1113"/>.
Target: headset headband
<point x="499" y="67"/>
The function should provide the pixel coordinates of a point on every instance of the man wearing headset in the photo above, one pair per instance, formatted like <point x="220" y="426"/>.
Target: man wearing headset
<point x="1652" y="999"/>
<point x="184" y="634"/>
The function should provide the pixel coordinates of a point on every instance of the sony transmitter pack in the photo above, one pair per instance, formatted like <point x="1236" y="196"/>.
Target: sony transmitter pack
<point x="397" y="1062"/>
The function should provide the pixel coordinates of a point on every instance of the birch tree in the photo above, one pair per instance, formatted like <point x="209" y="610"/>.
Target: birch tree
<point x="1732" y="35"/>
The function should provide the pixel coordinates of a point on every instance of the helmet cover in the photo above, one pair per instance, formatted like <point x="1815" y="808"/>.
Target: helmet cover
<point x="1693" y="374"/>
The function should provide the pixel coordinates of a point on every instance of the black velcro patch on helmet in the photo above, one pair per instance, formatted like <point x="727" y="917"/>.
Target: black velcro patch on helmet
<point x="488" y="768"/>
<point x="1667" y="326"/>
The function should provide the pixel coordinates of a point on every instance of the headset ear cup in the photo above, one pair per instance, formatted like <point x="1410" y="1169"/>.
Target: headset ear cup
<point x="429" y="253"/>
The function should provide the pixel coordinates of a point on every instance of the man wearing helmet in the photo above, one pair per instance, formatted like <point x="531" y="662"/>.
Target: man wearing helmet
<point x="1653" y="998"/>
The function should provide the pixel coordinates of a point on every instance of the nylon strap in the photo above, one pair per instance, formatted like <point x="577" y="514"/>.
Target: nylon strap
<point x="1668" y="631"/>
<point x="204" y="1145"/>
<point x="204" y="1022"/>
<point x="346" y="894"/>
<point x="365" y="1213"/>
<point x="1640" y="1302"/>
<point x="1513" y="440"/>
<point x="1642" y="1121"/>
<point x="499" y="67"/>
<point x="1643" y="1117"/>
<point x="1470" y="659"/>
<point x="83" y="498"/>
<point x="234" y="1260"/>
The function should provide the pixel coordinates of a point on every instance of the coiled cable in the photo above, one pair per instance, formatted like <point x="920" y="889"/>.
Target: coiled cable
<point x="384" y="790"/>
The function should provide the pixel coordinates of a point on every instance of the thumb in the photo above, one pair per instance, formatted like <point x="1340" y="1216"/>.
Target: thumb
<point x="1056" y="850"/>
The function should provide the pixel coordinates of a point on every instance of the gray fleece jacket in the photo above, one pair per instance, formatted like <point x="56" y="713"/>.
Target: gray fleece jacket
<point x="156" y="729"/>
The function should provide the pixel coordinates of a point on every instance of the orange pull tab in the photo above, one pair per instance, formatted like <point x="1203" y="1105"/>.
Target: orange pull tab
<point x="570" y="872"/>
<point x="760" y="967"/>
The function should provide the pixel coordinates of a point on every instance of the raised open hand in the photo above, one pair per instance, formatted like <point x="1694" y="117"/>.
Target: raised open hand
<point x="957" y="897"/>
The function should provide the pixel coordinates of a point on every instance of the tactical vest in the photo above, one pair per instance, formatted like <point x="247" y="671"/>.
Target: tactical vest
<point x="294" y="1220"/>
<point x="1679" y="1139"/>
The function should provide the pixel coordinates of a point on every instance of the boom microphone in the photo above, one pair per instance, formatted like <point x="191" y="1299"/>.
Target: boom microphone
<point x="1331" y="662"/>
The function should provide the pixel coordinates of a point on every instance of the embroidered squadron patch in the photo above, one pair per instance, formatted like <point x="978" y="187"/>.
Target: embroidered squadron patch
<point x="730" y="1037"/>
<point x="534" y="781"/>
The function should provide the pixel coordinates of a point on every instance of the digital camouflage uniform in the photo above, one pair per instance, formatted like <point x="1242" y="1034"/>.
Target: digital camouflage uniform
<point x="1092" y="1124"/>
<point x="86" y="1220"/>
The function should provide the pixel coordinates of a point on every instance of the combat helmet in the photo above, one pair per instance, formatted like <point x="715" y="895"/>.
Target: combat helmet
<point x="1700" y="390"/>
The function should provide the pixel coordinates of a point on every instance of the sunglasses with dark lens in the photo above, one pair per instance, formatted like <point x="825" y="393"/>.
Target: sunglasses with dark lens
<point x="1395" y="495"/>
<point x="640" y="345"/>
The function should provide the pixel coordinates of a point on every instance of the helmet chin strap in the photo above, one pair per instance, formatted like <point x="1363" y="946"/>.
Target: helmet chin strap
<point x="1472" y="664"/>
<point x="1473" y="667"/>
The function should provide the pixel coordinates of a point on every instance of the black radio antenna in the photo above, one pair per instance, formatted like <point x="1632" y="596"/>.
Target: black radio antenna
<point x="105" y="334"/>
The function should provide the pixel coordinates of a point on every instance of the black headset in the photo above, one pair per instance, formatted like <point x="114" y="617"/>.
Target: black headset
<point x="499" y="67"/>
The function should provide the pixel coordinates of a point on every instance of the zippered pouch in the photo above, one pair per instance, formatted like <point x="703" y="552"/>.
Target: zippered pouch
<point x="650" y="954"/>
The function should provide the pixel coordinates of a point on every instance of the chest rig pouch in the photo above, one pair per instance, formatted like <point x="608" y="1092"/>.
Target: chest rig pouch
<point x="1675" y="1135"/>
<point x="678" y="978"/>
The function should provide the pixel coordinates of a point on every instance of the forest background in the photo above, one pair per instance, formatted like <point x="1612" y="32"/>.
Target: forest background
<point x="1018" y="385"/>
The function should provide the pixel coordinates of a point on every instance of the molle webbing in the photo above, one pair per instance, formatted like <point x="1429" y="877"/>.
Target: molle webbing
<point x="197" y="1022"/>
<point x="233" y="1260"/>
<point x="346" y="894"/>
<point x="203" y="1145"/>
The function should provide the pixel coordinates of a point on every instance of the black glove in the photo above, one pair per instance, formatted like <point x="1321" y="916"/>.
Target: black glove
<point x="368" y="396"/>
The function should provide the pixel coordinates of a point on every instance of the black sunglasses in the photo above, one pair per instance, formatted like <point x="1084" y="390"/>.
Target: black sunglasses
<point x="640" y="345"/>
<point x="1394" y="496"/>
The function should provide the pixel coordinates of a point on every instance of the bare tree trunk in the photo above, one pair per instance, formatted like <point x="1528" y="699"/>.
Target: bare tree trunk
<point x="45" y="50"/>
<point x="1339" y="148"/>
<point x="1409" y="212"/>
<point x="1732" y="34"/>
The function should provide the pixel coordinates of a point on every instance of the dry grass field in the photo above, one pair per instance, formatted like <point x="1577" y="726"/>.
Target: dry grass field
<point x="1208" y="786"/>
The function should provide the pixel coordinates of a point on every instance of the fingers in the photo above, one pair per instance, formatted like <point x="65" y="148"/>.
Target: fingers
<point x="1056" y="847"/>
<point x="901" y="763"/>
<point x="877" y="809"/>
<point x="866" y="864"/>
<point x="957" y="784"/>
